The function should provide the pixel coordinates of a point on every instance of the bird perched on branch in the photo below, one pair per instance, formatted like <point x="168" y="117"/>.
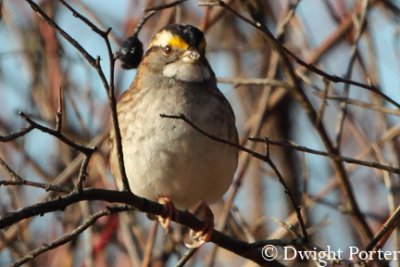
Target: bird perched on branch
<point x="167" y="160"/>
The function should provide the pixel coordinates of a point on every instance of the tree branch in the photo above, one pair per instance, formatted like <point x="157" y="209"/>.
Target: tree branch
<point x="252" y="251"/>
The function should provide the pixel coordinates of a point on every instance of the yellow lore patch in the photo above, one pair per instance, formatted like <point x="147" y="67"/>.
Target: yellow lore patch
<point x="165" y="38"/>
<point x="178" y="42"/>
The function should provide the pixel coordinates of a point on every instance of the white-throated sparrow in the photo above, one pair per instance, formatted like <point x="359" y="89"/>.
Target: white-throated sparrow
<point x="167" y="160"/>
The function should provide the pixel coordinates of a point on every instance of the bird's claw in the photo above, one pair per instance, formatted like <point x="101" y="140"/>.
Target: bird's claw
<point x="204" y="235"/>
<point x="171" y="212"/>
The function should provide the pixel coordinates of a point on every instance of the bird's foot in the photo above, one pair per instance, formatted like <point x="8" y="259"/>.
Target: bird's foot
<point x="171" y="211"/>
<point x="204" y="235"/>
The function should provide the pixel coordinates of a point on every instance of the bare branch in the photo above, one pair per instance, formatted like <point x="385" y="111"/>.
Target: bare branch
<point x="292" y="145"/>
<point x="16" y="135"/>
<point x="164" y="6"/>
<point x="251" y="251"/>
<point x="68" y="236"/>
<point x="58" y="134"/>
<point x="18" y="180"/>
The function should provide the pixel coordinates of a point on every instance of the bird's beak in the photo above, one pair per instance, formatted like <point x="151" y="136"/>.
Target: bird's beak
<point x="191" y="55"/>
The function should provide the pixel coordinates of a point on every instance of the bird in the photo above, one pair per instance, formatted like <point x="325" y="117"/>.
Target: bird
<point x="168" y="160"/>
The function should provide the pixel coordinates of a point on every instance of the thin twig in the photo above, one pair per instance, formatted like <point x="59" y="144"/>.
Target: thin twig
<point x="84" y="19"/>
<point x="324" y="104"/>
<point x="391" y="223"/>
<point x="59" y="113"/>
<point x="83" y="172"/>
<point x="16" y="135"/>
<point x="292" y="145"/>
<point x="353" y="53"/>
<point x="296" y="206"/>
<point x="186" y="257"/>
<point x="215" y="138"/>
<point x="365" y="105"/>
<point x="254" y="81"/>
<point x="69" y="236"/>
<point x="148" y="251"/>
<point x="151" y="11"/>
<point x="58" y="134"/>
<point x="18" y="180"/>
<point x="164" y="6"/>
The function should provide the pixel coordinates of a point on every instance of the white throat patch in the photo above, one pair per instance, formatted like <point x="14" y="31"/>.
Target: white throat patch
<point x="187" y="72"/>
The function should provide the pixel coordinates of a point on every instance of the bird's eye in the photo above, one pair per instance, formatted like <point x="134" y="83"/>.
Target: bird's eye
<point x="167" y="49"/>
